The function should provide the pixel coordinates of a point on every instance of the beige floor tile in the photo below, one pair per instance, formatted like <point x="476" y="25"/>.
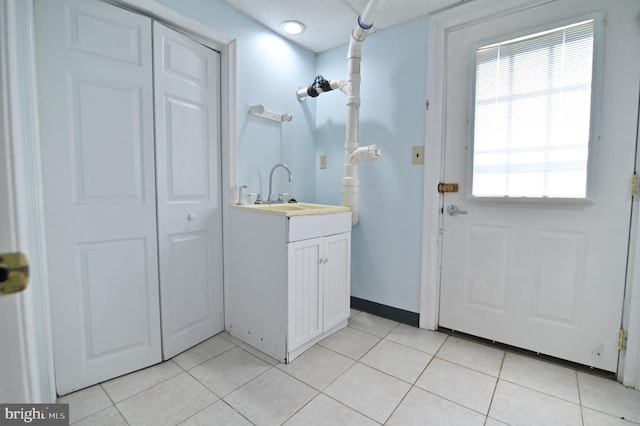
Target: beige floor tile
<point x="271" y="398"/>
<point x="372" y="324"/>
<point x="123" y="387"/>
<point x="421" y="408"/>
<point x="227" y="372"/>
<point x="218" y="413"/>
<point x="85" y="402"/>
<point x="266" y="358"/>
<point x="609" y="397"/>
<point x="561" y="382"/>
<point x="364" y="379"/>
<point x="203" y="352"/>
<point x="167" y="403"/>
<point x="368" y="391"/>
<point x="417" y="338"/>
<point x="596" y="418"/>
<point x="107" y="417"/>
<point x="323" y="411"/>
<point x="466" y="387"/>
<point x="317" y="367"/>
<point x="516" y="405"/>
<point x="233" y="339"/>
<point x="350" y="342"/>
<point x="494" y="422"/>
<point x="397" y="360"/>
<point x="472" y="355"/>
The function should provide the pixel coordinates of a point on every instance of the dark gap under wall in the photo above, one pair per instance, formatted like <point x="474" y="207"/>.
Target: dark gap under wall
<point x="384" y="311"/>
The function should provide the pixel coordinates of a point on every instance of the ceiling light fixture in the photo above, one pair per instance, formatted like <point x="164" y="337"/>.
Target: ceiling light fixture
<point x="293" y="27"/>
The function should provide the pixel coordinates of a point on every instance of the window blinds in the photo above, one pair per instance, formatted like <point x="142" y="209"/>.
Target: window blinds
<point x="532" y="114"/>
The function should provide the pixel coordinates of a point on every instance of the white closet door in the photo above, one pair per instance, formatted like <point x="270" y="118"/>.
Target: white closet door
<point x="187" y="108"/>
<point x="96" y="113"/>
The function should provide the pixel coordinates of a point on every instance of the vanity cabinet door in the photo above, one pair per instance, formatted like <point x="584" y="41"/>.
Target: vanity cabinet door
<point x="305" y="319"/>
<point x="336" y="282"/>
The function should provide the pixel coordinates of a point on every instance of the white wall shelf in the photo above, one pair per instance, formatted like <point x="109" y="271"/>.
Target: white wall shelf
<point x="261" y="111"/>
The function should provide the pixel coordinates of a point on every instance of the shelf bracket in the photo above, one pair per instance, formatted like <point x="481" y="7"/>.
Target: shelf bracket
<point x="260" y="111"/>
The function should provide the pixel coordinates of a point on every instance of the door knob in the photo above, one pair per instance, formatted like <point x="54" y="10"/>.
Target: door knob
<point x="453" y="210"/>
<point x="14" y="272"/>
<point x="191" y="217"/>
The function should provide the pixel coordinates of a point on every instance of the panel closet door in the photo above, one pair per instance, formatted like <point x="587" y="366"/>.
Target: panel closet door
<point x="187" y="111"/>
<point x="96" y="118"/>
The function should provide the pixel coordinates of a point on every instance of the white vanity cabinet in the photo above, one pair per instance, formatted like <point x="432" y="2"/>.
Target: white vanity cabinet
<point x="288" y="279"/>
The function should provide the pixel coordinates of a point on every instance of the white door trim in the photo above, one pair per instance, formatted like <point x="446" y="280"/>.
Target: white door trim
<point x="22" y="141"/>
<point x="629" y="373"/>
<point x="439" y="25"/>
<point x="18" y="53"/>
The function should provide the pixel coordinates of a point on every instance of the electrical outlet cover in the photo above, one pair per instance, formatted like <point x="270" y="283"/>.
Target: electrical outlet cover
<point x="417" y="155"/>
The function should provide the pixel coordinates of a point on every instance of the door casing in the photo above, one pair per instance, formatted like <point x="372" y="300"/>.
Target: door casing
<point x="438" y="27"/>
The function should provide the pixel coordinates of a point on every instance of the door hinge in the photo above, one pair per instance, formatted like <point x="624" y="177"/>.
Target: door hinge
<point x="621" y="339"/>
<point x="427" y="104"/>
<point x="634" y="184"/>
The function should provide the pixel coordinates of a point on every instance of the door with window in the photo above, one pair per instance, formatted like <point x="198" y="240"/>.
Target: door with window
<point x="541" y="110"/>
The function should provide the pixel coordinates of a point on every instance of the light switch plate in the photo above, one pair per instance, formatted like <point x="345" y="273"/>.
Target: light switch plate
<point x="417" y="155"/>
<point x="323" y="161"/>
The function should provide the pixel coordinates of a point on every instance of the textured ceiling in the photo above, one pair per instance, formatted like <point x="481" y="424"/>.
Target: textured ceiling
<point x="329" y="22"/>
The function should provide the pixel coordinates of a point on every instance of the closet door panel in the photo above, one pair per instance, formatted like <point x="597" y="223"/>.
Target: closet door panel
<point x="187" y="99"/>
<point x="96" y="118"/>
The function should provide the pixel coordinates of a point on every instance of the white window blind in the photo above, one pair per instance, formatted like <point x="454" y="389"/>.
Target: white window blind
<point x="532" y="115"/>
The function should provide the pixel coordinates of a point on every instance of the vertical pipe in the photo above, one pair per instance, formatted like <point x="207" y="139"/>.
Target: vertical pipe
<point x="350" y="182"/>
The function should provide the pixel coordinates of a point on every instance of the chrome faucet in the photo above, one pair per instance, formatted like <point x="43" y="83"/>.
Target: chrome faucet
<point x="240" y="188"/>
<point x="269" y="200"/>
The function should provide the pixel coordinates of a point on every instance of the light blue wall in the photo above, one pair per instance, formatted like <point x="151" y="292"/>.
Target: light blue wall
<point x="270" y="69"/>
<point x="386" y="248"/>
<point x="386" y="244"/>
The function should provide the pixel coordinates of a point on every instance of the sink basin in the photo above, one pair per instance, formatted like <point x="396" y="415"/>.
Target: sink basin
<point x="292" y="209"/>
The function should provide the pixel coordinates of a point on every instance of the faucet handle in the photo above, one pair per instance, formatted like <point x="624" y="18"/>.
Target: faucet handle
<point x="258" y="197"/>
<point x="289" y="197"/>
<point x="283" y="194"/>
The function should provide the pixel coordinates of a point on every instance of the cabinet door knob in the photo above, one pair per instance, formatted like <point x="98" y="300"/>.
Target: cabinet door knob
<point x="191" y="217"/>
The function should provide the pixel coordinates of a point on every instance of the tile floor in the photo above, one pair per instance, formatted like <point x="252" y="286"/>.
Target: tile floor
<point x="375" y="371"/>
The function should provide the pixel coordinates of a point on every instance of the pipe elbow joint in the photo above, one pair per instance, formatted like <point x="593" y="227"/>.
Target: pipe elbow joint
<point x="365" y="153"/>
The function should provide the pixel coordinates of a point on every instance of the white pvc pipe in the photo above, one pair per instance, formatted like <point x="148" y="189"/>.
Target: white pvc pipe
<point x="365" y="153"/>
<point x="350" y="182"/>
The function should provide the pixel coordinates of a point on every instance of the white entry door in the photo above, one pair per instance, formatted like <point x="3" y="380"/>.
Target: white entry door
<point x="542" y="274"/>
<point x="96" y="118"/>
<point x="187" y="102"/>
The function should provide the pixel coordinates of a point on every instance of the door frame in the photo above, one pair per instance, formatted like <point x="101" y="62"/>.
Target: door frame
<point x="26" y="319"/>
<point x="438" y="26"/>
<point x="19" y="116"/>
